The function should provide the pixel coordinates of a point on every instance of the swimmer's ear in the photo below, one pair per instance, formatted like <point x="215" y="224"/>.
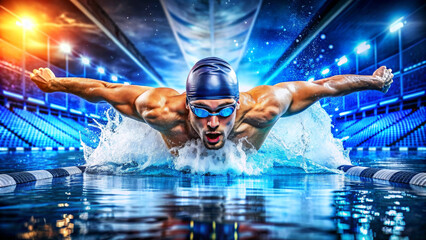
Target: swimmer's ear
<point x="238" y="104"/>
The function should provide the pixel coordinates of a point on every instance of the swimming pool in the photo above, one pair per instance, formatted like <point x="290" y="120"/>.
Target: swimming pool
<point x="302" y="206"/>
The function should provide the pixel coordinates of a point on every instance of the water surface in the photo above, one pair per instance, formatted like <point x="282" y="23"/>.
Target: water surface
<point x="292" y="206"/>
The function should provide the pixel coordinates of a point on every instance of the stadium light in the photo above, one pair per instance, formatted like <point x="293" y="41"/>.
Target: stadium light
<point x="114" y="78"/>
<point x="26" y="23"/>
<point x="311" y="79"/>
<point x="65" y="48"/>
<point x="364" y="46"/>
<point x="398" y="24"/>
<point x="101" y="70"/>
<point x="325" y="71"/>
<point x="85" y="60"/>
<point x="342" y="61"/>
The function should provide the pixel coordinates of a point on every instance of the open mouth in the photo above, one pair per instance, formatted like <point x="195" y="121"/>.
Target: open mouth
<point x="213" y="137"/>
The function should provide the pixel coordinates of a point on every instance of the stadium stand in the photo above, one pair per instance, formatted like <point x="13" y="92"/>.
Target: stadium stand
<point x="48" y="129"/>
<point x="414" y="139"/>
<point x="402" y="128"/>
<point x="358" y="126"/>
<point x="342" y="126"/>
<point x="9" y="139"/>
<point x="61" y="125"/>
<point x="390" y="135"/>
<point x="372" y="129"/>
<point x="21" y="128"/>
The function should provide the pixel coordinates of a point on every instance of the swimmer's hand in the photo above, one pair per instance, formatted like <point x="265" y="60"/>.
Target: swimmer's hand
<point x="385" y="78"/>
<point x="43" y="78"/>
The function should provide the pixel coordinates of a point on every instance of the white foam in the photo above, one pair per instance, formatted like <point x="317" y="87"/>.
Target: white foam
<point x="303" y="141"/>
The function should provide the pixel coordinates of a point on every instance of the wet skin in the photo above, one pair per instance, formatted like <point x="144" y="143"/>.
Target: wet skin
<point x="165" y="110"/>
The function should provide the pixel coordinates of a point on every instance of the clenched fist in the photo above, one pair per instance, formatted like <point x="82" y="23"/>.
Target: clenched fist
<point x="43" y="78"/>
<point x="385" y="76"/>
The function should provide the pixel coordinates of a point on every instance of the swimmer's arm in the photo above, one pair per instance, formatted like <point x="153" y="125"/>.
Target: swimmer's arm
<point x="121" y="97"/>
<point x="304" y="94"/>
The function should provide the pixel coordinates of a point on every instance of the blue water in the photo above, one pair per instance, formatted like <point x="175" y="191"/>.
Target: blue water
<point x="292" y="206"/>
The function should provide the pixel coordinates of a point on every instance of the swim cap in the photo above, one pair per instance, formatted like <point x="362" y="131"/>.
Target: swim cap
<point x="212" y="78"/>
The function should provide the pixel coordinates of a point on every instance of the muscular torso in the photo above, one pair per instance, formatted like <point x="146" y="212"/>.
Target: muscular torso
<point x="251" y="122"/>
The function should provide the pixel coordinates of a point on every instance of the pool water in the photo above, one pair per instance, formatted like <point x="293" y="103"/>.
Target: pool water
<point x="296" y="206"/>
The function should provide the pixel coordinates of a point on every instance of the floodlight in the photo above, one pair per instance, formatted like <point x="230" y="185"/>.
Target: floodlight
<point x="342" y="61"/>
<point x="398" y="24"/>
<point x="85" y="60"/>
<point x="325" y="71"/>
<point x="65" y="48"/>
<point x="364" y="46"/>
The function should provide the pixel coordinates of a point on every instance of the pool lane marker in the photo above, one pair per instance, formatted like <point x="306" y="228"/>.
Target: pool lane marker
<point x="33" y="149"/>
<point x="9" y="179"/>
<point x="378" y="149"/>
<point x="405" y="177"/>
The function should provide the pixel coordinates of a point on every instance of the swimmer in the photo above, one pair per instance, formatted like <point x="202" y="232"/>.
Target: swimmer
<point x="212" y="108"/>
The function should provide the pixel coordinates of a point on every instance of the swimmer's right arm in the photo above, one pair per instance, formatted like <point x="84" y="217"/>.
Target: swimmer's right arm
<point x="121" y="97"/>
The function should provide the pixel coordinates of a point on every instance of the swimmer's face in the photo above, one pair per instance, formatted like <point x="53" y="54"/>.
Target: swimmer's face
<point x="213" y="130"/>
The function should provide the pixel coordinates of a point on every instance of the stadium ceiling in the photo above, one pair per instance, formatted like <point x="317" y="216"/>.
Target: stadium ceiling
<point x="211" y="28"/>
<point x="201" y="30"/>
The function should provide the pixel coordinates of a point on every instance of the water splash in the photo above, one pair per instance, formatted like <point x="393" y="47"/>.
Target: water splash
<point x="302" y="143"/>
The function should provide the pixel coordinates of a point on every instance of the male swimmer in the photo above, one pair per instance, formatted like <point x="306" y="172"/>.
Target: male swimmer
<point x="212" y="109"/>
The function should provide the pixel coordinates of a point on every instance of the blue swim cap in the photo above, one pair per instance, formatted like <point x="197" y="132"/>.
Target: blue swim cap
<point x="212" y="78"/>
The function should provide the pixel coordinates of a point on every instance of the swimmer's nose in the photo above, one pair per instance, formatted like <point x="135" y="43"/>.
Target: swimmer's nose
<point x="213" y="122"/>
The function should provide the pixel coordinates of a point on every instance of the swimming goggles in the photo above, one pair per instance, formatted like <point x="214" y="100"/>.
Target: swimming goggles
<point x="203" y="113"/>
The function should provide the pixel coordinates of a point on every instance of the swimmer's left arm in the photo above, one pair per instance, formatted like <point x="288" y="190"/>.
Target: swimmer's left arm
<point x="304" y="94"/>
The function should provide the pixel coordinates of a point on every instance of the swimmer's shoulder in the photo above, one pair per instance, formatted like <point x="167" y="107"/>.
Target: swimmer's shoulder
<point x="161" y="99"/>
<point x="263" y="96"/>
<point x="162" y="108"/>
<point x="263" y="105"/>
<point x="157" y="97"/>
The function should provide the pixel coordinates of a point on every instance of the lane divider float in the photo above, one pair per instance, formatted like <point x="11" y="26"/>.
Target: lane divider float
<point x="396" y="176"/>
<point x="10" y="179"/>
<point x="404" y="177"/>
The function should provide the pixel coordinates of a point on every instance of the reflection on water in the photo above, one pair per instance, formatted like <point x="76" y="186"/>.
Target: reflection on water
<point x="379" y="214"/>
<point x="38" y="228"/>
<point x="317" y="206"/>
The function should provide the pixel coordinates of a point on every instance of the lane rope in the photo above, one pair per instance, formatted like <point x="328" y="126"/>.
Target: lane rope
<point x="10" y="179"/>
<point x="405" y="177"/>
